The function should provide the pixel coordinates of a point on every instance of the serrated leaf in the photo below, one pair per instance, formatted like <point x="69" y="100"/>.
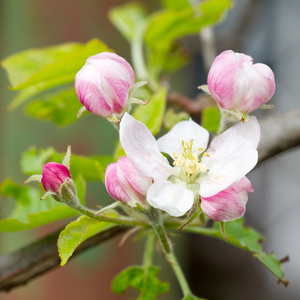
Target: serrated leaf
<point x="134" y="276"/>
<point x="30" y="211"/>
<point x="152" y="114"/>
<point x="192" y="297"/>
<point x="23" y="65"/>
<point x="60" y="107"/>
<point x="176" y="5"/>
<point x="91" y="168"/>
<point x="128" y="18"/>
<point x="247" y="239"/>
<point x="169" y="24"/>
<point x="172" y="118"/>
<point x="65" y="68"/>
<point x="211" y="119"/>
<point x="77" y="232"/>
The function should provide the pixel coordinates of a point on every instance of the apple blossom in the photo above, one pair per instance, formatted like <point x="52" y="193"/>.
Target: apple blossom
<point x="239" y="85"/>
<point x="124" y="183"/>
<point x="103" y="84"/>
<point x="229" y="158"/>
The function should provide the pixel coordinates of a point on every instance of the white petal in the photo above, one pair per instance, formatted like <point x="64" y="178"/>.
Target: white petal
<point x="232" y="155"/>
<point x="183" y="131"/>
<point x="141" y="148"/>
<point x="175" y="199"/>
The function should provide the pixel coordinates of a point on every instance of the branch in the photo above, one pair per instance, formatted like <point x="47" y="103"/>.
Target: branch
<point x="279" y="133"/>
<point x="19" y="267"/>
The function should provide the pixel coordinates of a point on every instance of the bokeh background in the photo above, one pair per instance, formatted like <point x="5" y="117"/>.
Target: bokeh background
<point x="268" y="30"/>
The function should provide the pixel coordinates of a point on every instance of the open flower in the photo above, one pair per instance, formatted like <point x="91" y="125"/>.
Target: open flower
<point x="239" y="85"/>
<point x="229" y="158"/>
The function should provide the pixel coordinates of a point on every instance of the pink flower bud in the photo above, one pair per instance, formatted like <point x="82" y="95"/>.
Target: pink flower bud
<point x="103" y="84"/>
<point x="238" y="84"/>
<point x="54" y="175"/>
<point x="124" y="183"/>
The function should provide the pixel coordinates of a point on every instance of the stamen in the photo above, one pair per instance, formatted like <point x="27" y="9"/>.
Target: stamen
<point x="200" y="149"/>
<point x="206" y="154"/>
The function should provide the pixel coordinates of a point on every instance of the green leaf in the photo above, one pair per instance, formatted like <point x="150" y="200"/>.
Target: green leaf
<point x="91" y="168"/>
<point x="30" y="211"/>
<point x="62" y="69"/>
<point x="245" y="238"/>
<point x="172" y="118"/>
<point x="192" y="297"/>
<point x="152" y="114"/>
<point x="127" y="18"/>
<point x="77" y="232"/>
<point x="23" y="65"/>
<point x="169" y="24"/>
<point x="211" y="118"/>
<point x="140" y="279"/>
<point x="176" y="5"/>
<point x="60" y="107"/>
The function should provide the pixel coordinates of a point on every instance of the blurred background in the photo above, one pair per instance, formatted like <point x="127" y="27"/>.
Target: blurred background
<point x="267" y="30"/>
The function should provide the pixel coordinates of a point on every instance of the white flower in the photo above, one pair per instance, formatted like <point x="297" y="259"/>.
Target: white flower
<point x="230" y="157"/>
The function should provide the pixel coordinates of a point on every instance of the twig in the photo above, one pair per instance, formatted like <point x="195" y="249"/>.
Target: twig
<point x="23" y="265"/>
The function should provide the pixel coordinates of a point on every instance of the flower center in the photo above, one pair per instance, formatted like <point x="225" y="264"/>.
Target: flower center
<point x="188" y="160"/>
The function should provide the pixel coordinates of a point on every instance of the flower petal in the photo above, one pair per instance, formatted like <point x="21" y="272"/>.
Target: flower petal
<point x="113" y="186"/>
<point x="229" y="204"/>
<point x="128" y="175"/>
<point x="175" y="199"/>
<point x="141" y="148"/>
<point x="232" y="155"/>
<point x="184" y="131"/>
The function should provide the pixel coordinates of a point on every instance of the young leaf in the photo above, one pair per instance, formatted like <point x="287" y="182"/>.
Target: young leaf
<point x="134" y="276"/>
<point x="91" y="168"/>
<point x="23" y="65"/>
<point x="77" y="232"/>
<point x="192" y="297"/>
<point x="64" y="68"/>
<point x="169" y="24"/>
<point x="30" y="211"/>
<point x="245" y="238"/>
<point x="152" y="114"/>
<point x="211" y="119"/>
<point x="127" y="18"/>
<point x="61" y="107"/>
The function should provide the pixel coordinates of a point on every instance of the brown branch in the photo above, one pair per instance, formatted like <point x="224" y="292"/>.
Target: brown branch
<point x="191" y="106"/>
<point x="279" y="133"/>
<point x="19" y="267"/>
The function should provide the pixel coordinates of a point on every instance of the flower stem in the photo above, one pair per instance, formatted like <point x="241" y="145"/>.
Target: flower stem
<point x="157" y="224"/>
<point x="119" y="220"/>
<point x="179" y="274"/>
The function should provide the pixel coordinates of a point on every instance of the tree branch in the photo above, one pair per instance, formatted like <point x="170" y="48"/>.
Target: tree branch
<point x="21" y="266"/>
<point x="279" y="133"/>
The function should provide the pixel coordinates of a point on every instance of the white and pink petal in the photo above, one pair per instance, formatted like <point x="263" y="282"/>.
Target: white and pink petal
<point x="184" y="131"/>
<point x="229" y="204"/>
<point x="232" y="155"/>
<point x="142" y="149"/>
<point x="175" y="199"/>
